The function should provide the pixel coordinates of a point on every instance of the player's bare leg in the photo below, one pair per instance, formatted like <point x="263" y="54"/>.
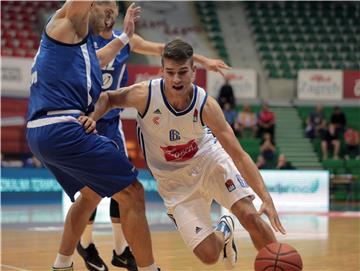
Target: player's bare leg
<point x="134" y="223"/>
<point x="208" y="251"/>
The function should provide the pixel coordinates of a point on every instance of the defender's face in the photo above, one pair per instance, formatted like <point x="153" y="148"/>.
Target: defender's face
<point x="98" y="16"/>
<point x="178" y="76"/>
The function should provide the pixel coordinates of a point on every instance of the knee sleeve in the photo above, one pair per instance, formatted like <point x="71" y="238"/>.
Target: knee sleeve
<point x="114" y="209"/>
<point x="92" y="217"/>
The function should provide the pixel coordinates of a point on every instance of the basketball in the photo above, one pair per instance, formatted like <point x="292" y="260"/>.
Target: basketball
<point x="278" y="257"/>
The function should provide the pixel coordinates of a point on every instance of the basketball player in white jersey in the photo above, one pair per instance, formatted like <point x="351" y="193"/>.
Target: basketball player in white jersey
<point x="195" y="158"/>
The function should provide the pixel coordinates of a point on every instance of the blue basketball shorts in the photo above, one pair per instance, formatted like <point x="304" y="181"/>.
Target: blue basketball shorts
<point x="78" y="159"/>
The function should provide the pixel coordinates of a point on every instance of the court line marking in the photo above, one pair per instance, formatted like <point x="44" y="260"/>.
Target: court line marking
<point x="13" y="267"/>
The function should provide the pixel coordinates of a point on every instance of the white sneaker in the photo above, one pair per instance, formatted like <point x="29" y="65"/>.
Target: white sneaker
<point x="230" y="251"/>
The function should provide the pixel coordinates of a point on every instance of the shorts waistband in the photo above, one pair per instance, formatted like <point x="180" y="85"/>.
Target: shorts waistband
<point x="64" y="112"/>
<point x="52" y="120"/>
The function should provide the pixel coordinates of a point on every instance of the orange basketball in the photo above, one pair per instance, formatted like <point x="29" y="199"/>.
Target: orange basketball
<point x="278" y="257"/>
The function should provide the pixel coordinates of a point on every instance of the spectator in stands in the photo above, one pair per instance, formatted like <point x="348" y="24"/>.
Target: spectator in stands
<point x="283" y="163"/>
<point x="330" y="141"/>
<point x="351" y="137"/>
<point x="339" y="119"/>
<point x="230" y="115"/>
<point x="246" y="120"/>
<point x="226" y="94"/>
<point x="314" y="122"/>
<point x="267" y="147"/>
<point x="261" y="162"/>
<point x="10" y="163"/>
<point x="266" y="121"/>
<point x="33" y="162"/>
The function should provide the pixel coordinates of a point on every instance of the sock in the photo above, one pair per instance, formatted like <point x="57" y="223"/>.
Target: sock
<point x="86" y="237"/>
<point x="119" y="239"/>
<point x="222" y="227"/>
<point x="152" y="267"/>
<point x="62" y="261"/>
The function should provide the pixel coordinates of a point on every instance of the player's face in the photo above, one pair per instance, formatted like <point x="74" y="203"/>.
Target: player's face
<point x="111" y="13"/>
<point x="99" y="15"/>
<point x="178" y="77"/>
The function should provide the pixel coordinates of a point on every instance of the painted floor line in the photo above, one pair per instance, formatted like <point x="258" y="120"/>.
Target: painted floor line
<point x="13" y="267"/>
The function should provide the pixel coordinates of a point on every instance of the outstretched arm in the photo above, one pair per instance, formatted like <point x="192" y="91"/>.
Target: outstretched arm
<point x="145" y="47"/>
<point x="133" y="96"/>
<point x="215" y="120"/>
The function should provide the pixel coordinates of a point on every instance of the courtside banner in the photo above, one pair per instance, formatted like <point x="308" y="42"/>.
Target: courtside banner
<point x="243" y="81"/>
<point x="352" y="84"/>
<point x="320" y="85"/>
<point x="15" y="76"/>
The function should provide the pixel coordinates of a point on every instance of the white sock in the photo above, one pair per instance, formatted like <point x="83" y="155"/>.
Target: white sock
<point x="86" y="237"/>
<point x="118" y="238"/>
<point x="63" y="261"/>
<point x="152" y="267"/>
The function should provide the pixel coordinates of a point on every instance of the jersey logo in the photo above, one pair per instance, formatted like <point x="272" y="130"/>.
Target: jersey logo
<point x="195" y="116"/>
<point x="179" y="153"/>
<point x="230" y="185"/>
<point x="197" y="230"/>
<point x="241" y="180"/>
<point x="157" y="111"/>
<point x="107" y="80"/>
<point x="156" y="120"/>
<point x="174" y="135"/>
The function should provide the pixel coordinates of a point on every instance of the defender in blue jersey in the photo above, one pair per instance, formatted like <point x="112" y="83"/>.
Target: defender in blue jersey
<point x="115" y="75"/>
<point x="66" y="82"/>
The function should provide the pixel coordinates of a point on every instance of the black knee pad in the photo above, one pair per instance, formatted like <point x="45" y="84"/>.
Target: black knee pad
<point x="114" y="209"/>
<point x="92" y="217"/>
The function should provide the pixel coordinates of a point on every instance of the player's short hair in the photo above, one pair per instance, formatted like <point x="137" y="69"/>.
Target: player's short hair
<point x="177" y="50"/>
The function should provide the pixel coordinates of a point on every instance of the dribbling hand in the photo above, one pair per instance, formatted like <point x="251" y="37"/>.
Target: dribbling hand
<point x="268" y="208"/>
<point x="88" y="123"/>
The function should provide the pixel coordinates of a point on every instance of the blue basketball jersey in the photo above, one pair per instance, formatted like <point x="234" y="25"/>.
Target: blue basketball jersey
<point x="115" y="74"/>
<point x="64" y="77"/>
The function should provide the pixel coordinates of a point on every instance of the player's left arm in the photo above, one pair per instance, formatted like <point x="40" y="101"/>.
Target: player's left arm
<point x="145" y="47"/>
<point x="214" y="118"/>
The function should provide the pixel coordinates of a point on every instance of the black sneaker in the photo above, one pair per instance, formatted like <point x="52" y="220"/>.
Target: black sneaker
<point x="125" y="260"/>
<point x="91" y="258"/>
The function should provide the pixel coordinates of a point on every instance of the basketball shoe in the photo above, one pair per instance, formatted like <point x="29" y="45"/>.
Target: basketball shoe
<point x="91" y="258"/>
<point x="63" y="268"/>
<point x="125" y="260"/>
<point x="226" y="225"/>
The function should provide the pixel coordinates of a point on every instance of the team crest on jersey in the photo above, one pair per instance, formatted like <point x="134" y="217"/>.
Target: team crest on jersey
<point x="174" y="135"/>
<point x="179" y="153"/>
<point x="241" y="180"/>
<point x="230" y="185"/>
<point x="195" y="116"/>
<point x="156" y="120"/>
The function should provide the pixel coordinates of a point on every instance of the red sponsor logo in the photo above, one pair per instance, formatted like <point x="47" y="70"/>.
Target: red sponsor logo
<point x="156" y="120"/>
<point x="181" y="152"/>
<point x="320" y="78"/>
<point x="230" y="185"/>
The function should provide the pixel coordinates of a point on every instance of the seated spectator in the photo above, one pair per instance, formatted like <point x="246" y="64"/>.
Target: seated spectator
<point x="33" y="162"/>
<point x="261" y="162"/>
<point x="266" y="121"/>
<point x="339" y="119"/>
<point x="330" y="141"/>
<point x="314" y="121"/>
<point x="230" y="115"/>
<point x="226" y="94"/>
<point x="246" y="120"/>
<point x="351" y="138"/>
<point x="283" y="164"/>
<point x="267" y="147"/>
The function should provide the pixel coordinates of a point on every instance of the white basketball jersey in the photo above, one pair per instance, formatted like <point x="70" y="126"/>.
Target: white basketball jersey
<point x="174" y="142"/>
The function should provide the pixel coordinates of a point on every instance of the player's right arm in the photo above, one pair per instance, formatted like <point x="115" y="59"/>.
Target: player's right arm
<point x="70" y="23"/>
<point x="133" y="96"/>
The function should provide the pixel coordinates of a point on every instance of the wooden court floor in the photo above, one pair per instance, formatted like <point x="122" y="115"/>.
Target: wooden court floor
<point x="29" y="250"/>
